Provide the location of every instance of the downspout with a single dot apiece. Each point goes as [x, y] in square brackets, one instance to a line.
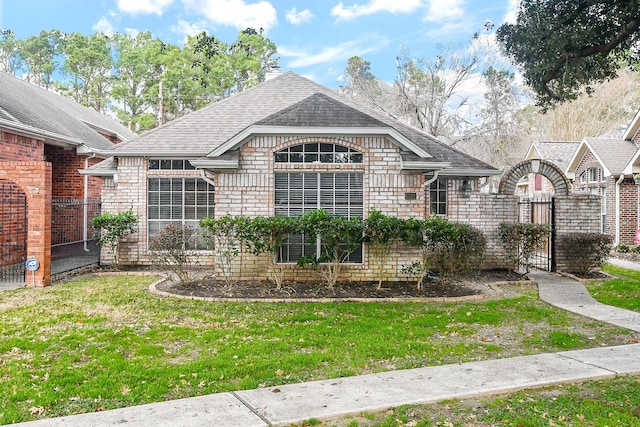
[206, 178]
[617, 238]
[85, 227]
[427, 183]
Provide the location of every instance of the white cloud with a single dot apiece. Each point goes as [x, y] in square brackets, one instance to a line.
[375, 6]
[339, 52]
[296, 18]
[186, 29]
[439, 10]
[235, 13]
[512, 12]
[104, 26]
[134, 7]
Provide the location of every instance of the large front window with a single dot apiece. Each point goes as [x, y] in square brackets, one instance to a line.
[339, 193]
[181, 202]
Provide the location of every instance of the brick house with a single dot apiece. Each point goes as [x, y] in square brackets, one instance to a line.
[284, 147]
[605, 167]
[45, 140]
[557, 152]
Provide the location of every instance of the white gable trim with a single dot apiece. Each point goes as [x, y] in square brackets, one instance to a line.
[255, 130]
[531, 152]
[577, 157]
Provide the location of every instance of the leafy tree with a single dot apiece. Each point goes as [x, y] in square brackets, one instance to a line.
[236, 67]
[89, 64]
[564, 46]
[225, 236]
[113, 228]
[40, 54]
[11, 59]
[339, 238]
[250, 57]
[266, 235]
[210, 59]
[138, 66]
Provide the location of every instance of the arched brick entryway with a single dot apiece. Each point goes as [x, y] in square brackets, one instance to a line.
[34, 179]
[548, 170]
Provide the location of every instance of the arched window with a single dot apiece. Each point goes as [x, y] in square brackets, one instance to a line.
[318, 152]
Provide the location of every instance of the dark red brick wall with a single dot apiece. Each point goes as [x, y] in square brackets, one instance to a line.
[67, 181]
[20, 148]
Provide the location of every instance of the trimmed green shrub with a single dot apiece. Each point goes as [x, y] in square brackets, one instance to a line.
[447, 246]
[112, 228]
[587, 251]
[521, 241]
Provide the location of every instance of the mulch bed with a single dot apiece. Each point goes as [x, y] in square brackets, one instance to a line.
[467, 286]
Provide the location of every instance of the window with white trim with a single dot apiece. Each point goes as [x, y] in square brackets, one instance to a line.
[338, 193]
[179, 201]
[438, 197]
[318, 152]
[589, 176]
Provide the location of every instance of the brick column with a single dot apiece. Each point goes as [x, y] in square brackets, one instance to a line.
[35, 180]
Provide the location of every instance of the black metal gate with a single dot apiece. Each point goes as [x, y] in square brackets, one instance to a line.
[73, 241]
[13, 233]
[541, 209]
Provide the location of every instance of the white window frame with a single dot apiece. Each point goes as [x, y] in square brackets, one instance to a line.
[337, 192]
[173, 200]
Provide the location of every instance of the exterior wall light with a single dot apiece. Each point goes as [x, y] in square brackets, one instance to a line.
[466, 188]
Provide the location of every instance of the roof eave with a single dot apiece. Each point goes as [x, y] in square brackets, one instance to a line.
[424, 166]
[50, 138]
[155, 154]
[469, 172]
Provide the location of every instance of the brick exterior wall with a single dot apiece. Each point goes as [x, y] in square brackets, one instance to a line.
[54, 173]
[34, 179]
[249, 192]
[628, 193]
[67, 182]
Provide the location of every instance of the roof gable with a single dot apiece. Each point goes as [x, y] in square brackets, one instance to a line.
[612, 154]
[318, 110]
[288, 103]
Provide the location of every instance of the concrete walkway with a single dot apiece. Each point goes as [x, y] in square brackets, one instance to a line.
[294, 403]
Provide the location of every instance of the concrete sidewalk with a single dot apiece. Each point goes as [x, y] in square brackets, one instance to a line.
[286, 404]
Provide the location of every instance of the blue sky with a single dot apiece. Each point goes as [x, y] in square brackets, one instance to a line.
[315, 38]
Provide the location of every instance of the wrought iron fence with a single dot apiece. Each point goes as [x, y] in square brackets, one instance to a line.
[73, 240]
[13, 233]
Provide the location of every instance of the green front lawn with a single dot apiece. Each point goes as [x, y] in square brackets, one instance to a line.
[105, 342]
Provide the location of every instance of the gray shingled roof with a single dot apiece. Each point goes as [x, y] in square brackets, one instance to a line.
[25, 105]
[615, 154]
[287, 99]
[319, 110]
[557, 152]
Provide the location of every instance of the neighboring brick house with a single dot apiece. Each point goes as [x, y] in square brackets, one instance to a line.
[45, 140]
[600, 166]
[557, 152]
[284, 147]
